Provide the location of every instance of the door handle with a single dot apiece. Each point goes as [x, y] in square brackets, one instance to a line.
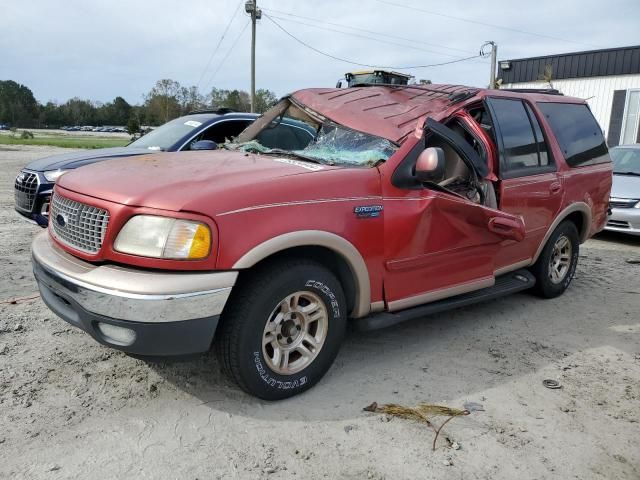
[506, 228]
[555, 187]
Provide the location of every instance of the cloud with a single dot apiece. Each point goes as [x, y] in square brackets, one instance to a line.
[100, 50]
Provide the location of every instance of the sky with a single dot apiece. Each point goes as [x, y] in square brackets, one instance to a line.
[100, 50]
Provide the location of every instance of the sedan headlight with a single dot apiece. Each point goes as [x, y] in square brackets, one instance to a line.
[164, 237]
[53, 175]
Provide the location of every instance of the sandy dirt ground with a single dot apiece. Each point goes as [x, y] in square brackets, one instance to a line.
[71, 408]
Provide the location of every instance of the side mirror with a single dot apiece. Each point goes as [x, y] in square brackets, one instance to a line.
[204, 145]
[430, 165]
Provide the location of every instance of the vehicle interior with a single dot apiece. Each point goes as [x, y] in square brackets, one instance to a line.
[221, 131]
[458, 177]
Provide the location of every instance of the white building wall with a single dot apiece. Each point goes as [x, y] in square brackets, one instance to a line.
[597, 91]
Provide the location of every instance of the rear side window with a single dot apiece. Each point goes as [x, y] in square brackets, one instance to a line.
[522, 145]
[578, 134]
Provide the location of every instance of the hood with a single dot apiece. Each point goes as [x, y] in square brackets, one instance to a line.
[78, 159]
[188, 181]
[625, 186]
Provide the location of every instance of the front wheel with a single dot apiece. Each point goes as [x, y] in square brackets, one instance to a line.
[282, 329]
[557, 263]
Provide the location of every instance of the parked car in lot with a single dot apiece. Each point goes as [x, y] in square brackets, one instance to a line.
[4, 127]
[625, 192]
[203, 130]
[410, 201]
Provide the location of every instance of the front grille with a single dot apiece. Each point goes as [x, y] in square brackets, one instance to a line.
[78, 225]
[618, 224]
[24, 191]
[623, 202]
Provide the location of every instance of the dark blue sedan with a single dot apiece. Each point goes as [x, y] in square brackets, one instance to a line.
[196, 131]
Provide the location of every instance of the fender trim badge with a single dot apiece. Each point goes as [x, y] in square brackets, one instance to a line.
[368, 211]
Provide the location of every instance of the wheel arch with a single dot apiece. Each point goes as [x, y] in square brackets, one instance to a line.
[332, 250]
[579, 213]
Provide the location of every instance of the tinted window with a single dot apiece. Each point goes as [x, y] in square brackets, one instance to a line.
[284, 136]
[540, 142]
[223, 131]
[578, 134]
[519, 145]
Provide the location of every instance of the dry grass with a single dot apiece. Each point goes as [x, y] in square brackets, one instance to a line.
[423, 413]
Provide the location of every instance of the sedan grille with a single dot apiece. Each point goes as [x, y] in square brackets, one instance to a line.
[618, 224]
[78, 225]
[24, 191]
[623, 202]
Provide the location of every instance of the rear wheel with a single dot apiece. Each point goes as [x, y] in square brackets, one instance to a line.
[557, 263]
[282, 328]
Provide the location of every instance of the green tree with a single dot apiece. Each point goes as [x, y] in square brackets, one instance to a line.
[18, 106]
[265, 99]
[162, 102]
[133, 125]
[190, 99]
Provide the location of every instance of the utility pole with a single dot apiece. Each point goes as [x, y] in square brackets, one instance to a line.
[494, 56]
[252, 9]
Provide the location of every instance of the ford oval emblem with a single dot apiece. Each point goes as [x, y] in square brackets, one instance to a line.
[60, 220]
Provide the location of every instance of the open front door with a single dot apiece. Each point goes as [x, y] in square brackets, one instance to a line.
[439, 243]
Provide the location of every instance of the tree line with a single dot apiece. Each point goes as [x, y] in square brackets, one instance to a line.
[165, 101]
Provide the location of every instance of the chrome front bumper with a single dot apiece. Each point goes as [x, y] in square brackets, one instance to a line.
[182, 307]
[625, 220]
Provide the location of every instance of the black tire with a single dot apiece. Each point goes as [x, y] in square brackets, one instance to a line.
[239, 340]
[545, 286]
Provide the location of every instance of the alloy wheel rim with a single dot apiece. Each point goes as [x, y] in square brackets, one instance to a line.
[295, 332]
[560, 260]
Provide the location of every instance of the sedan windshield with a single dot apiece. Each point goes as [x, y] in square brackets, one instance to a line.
[333, 144]
[165, 136]
[626, 160]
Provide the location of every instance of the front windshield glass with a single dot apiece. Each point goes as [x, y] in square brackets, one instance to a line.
[626, 160]
[333, 144]
[165, 136]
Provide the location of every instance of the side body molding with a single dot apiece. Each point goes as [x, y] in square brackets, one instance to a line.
[581, 207]
[318, 238]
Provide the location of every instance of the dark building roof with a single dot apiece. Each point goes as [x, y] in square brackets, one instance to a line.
[592, 63]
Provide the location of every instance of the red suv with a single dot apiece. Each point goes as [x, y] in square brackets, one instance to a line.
[410, 200]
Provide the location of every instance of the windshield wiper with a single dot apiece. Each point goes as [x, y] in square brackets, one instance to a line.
[627, 173]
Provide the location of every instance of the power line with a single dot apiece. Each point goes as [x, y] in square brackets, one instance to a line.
[478, 22]
[363, 64]
[215, 50]
[350, 27]
[386, 42]
[233, 45]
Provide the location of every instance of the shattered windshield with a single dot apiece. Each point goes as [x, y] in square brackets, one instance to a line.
[333, 144]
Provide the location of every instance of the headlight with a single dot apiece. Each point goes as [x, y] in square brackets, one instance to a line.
[53, 175]
[164, 237]
[637, 205]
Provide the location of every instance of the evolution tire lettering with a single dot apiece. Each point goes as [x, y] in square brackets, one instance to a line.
[327, 291]
[298, 382]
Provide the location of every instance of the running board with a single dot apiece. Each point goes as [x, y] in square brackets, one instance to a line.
[505, 284]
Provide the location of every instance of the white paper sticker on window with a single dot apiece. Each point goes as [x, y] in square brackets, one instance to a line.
[193, 123]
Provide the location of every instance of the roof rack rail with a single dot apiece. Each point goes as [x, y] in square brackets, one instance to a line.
[219, 111]
[547, 91]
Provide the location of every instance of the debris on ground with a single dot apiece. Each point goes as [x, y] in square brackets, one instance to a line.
[552, 384]
[422, 413]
